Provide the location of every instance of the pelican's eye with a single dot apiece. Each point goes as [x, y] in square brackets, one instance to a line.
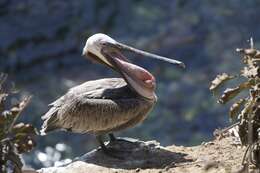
[104, 43]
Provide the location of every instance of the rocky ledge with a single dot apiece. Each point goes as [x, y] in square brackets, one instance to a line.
[219, 155]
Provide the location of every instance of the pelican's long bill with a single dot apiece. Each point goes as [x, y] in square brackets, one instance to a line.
[147, 54]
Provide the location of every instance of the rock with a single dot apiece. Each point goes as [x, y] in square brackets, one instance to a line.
[135, 155]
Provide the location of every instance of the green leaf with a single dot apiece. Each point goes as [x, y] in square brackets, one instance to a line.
[220, 80]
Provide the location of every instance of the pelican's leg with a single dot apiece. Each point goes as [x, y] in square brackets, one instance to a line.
[112, 137]
[108, 151]
[101, 143]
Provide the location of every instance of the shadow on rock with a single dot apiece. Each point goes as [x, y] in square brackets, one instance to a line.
[134, 154]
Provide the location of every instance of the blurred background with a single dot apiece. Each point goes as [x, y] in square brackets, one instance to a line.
[41, 44]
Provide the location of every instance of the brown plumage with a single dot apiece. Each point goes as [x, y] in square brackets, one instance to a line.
[97, 107]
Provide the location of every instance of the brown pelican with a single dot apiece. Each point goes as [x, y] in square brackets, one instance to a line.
[106, 105]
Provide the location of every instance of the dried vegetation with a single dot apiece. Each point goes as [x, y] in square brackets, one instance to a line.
[15, 138]
[245, 112]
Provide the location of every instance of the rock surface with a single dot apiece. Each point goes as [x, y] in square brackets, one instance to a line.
[219, 155]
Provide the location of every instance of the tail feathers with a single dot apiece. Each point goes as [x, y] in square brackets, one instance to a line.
[50, 123]
[52, 112]
[48, 129]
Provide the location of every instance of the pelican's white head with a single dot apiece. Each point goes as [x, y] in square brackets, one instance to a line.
[95, 43]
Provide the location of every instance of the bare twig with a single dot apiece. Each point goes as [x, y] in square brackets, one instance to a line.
[251, 43]
[20, 107]
[221, 132]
